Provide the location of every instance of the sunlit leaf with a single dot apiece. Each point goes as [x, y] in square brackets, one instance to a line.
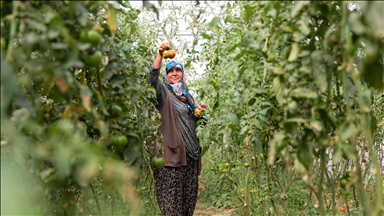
[149, 5]
[294, 52]
[298, 5]
[232, 117]
[214, 22]
[62, 161]
[303, 93]
[111, 19]
[346, 130]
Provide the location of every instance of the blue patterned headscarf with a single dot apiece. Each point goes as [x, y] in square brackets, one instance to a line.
[179, 89]
[173, 64]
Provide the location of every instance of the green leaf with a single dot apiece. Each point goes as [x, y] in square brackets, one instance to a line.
[20, 116]
[297, 7]
[258, 124]
[304, 156]
[35, 25]
[356, 25]
[117, 79]
[62, 161]
[372, 73]
[7, 82]
[317, 127]
[248, 12]
[111, 20]
[350, 151]
[294, 52]
[346, 130]
[264, 111]
[303, 93]
[374, 16]
[233, 119]
[278, 88]
[303, 27]
[149, 5]
[206, 36]
[272, 13]
[214, 22]
[277, 140]
[243, 130]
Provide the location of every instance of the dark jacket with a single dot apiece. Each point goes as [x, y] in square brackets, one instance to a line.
[174, 147]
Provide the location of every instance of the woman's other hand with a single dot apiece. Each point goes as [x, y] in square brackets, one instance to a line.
[202, 107]
[199, 109]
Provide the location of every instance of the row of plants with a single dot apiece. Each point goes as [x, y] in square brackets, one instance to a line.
[295, 101]
[76, 107]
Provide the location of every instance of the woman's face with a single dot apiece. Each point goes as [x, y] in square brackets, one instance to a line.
[174, 75]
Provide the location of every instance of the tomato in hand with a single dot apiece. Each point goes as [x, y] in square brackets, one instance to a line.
[172, 54]
[166, 54]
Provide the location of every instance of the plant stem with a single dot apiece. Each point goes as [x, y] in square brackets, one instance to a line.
[14, 23]
[97, 200]
[246, 204]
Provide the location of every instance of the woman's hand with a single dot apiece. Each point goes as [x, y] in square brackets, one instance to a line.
[164, 46]
[203, 107]
[200, 108]
[159, 58]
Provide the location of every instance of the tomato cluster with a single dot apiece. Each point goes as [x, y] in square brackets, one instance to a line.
[93, 38]
[169, 54]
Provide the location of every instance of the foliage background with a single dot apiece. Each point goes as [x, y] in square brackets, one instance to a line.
[294, 90]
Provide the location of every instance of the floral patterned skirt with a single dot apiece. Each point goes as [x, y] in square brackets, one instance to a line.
[177, 188]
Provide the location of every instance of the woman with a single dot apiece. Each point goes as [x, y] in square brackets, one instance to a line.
[177, 182]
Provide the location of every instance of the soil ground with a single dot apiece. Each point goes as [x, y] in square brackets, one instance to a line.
[204, 210]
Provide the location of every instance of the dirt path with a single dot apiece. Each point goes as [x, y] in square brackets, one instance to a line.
[204, 210]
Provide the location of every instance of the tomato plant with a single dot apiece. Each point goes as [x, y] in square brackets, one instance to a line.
[288, 81]
[66, 64]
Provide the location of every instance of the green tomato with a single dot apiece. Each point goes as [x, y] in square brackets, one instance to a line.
[3, 43]
[116, 110]
[343, 182]
[158, 162]
[83, 36]
[261, 156]
[62, 128]
[94, 59]
[93, 37]
[119, 141]
[246, 165]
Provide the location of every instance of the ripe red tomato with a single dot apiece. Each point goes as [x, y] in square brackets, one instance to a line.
[172, 54]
